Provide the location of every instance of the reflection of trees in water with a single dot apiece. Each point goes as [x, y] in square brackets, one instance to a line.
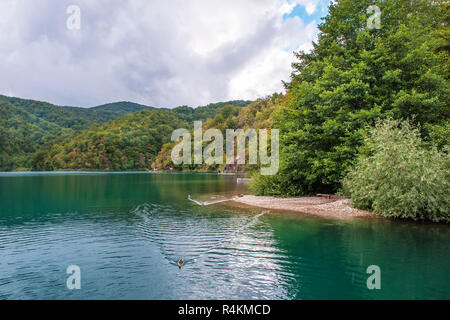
[59, 193]
[201, 186]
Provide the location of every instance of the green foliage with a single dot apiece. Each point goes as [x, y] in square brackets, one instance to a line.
[128, 143]
[353, 77]
[255, 115]
[114, 110]
[264, 185]
[439, 134]
[72, 117]
[29, 129]
[27, 126]
[206, 112]
[397, 176]
[21, 134]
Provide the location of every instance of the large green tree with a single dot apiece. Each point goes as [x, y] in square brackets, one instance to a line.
[353, 76]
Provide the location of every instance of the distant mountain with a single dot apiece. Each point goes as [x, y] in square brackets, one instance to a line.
[121, 108]
[257, 115]
[74, 117]
[67, 117]
[22, 133]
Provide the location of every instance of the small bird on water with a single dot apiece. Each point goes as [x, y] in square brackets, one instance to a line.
[180, 263]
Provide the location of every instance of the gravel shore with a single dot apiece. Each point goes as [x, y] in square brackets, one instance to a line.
[333, 207]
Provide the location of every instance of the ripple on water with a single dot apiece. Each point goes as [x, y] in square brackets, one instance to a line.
[230, 249]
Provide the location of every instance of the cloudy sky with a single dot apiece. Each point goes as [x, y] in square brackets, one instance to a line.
[160, 53]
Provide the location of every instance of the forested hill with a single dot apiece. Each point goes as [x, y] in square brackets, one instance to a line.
[259, 114]
[73, 117]
[120, 108]
[131, 142]
[128, 143]
[206, 112]
[27, 126]
[22, 133]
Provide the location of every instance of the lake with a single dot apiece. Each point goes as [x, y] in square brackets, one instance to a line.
[126, 232]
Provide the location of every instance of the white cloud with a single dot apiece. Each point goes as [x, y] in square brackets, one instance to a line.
[154, 52]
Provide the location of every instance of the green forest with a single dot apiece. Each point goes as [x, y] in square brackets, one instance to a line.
[365, 114]
[354, 77]
[37, 135]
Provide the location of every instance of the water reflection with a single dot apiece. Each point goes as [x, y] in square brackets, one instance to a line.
[127, 231]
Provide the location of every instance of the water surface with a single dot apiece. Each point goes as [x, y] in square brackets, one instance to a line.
[127, 230]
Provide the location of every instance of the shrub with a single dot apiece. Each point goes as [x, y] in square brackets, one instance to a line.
[268, 185]
[397, 176]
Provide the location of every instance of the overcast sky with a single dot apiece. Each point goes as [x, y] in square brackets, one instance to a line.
[159, 53]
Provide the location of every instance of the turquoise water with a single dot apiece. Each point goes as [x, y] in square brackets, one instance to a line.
[126, 231]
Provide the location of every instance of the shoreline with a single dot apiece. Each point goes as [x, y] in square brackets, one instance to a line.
[332, 208]
[325, 206]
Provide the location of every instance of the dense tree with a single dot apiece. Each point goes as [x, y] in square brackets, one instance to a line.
[21, 134]
[28, 125]
[353, 77]
[206, 112]
[29, 128]
[128, 143]
[73, 117]
[257, 115]
[398, 176]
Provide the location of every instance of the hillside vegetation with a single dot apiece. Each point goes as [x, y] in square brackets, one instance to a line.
[206, 112]
[257, 115]
[128, 143]
[398, 176]
[73, 117]
[32, 131]
[131, 142]
[26, 126]
[353, 77]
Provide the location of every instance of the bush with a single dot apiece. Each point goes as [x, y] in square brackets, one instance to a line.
[267, 185]
[397, 176]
